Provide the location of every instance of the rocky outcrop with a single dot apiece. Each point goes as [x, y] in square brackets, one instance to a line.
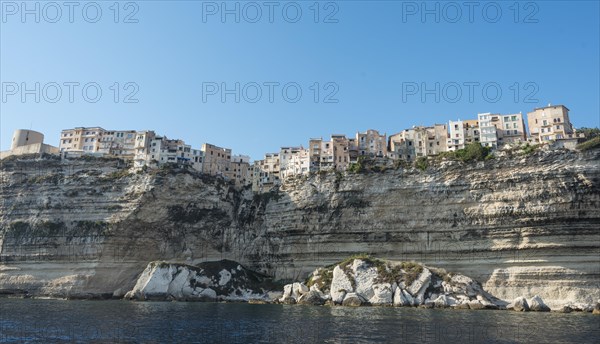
[369, 281]
[523, 225]
[211, 281]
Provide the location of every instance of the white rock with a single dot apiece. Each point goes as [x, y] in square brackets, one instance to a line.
[519, 304]
[181, 279]
[400, 298]
[536, 304]
[340, 285]
[208, 293]
[225, 277]
[365, 277]
[298, 289]
[287, 292]
[409, 298]
[420, 285]
[382, 294]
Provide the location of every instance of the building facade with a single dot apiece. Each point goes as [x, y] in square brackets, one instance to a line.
[550, 123]
[217, 160]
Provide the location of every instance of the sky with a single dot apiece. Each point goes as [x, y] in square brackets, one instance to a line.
[255, 76]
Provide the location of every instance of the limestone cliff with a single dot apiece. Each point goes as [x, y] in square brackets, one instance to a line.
[521, 225]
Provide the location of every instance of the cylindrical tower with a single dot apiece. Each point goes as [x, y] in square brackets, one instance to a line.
[24, 137]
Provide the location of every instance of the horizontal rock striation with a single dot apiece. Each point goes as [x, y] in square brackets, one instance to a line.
[521, 225]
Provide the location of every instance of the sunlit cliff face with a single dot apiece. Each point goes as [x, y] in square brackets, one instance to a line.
[516, 224]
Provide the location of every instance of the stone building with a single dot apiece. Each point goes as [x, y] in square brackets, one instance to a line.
[239, 170]
[217, 160]
[418, 141]
[550, 123]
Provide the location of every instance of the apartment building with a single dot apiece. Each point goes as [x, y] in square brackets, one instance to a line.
[293, 161]
[239, 170]
[118, 143]
[511, 128]
[418, 141]
[83, 140]
[461, 133]
[550, 123]
[217, 160]
[266, 173]
[330, 155]
[142, 145]
[488, 130]
[371, 143]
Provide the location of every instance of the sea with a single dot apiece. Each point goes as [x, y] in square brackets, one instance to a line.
[119, 321]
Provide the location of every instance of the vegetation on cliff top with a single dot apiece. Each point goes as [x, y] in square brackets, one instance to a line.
[589, 144]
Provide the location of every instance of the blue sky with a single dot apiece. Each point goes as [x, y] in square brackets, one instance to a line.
[367, 55]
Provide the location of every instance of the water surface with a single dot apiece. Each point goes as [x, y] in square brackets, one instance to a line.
[59, 321]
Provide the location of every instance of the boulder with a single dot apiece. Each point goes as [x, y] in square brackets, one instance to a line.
[462, 305]
[298, 289]
[365, 277]
[288, 300]
[400, 298]
[536, 304]
[352, 300]
[419, 286]
[382, 294]
[409, 298]
[311, 298]
[444, 301]
[519, 304]
[287, 292]
[596, 309]
[340, 285]
[564, 309]
[476, 305]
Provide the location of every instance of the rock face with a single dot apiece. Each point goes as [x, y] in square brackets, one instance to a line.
[211, 281]
[522, 225]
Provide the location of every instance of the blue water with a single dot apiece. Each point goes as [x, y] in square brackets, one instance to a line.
[59, 321]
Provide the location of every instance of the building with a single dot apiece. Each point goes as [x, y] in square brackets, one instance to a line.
[461, 133]
[172, 151]
[497, 129]
[488, 130]
[371, 143]
[81, 140]
[550, 123]
[266, 173]
[418, 141]
[217, 160]
[239, 170]
[142, 145]
[117, 143]
[293, 161]
[320, 154]
[28, 142]
[511, 128]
